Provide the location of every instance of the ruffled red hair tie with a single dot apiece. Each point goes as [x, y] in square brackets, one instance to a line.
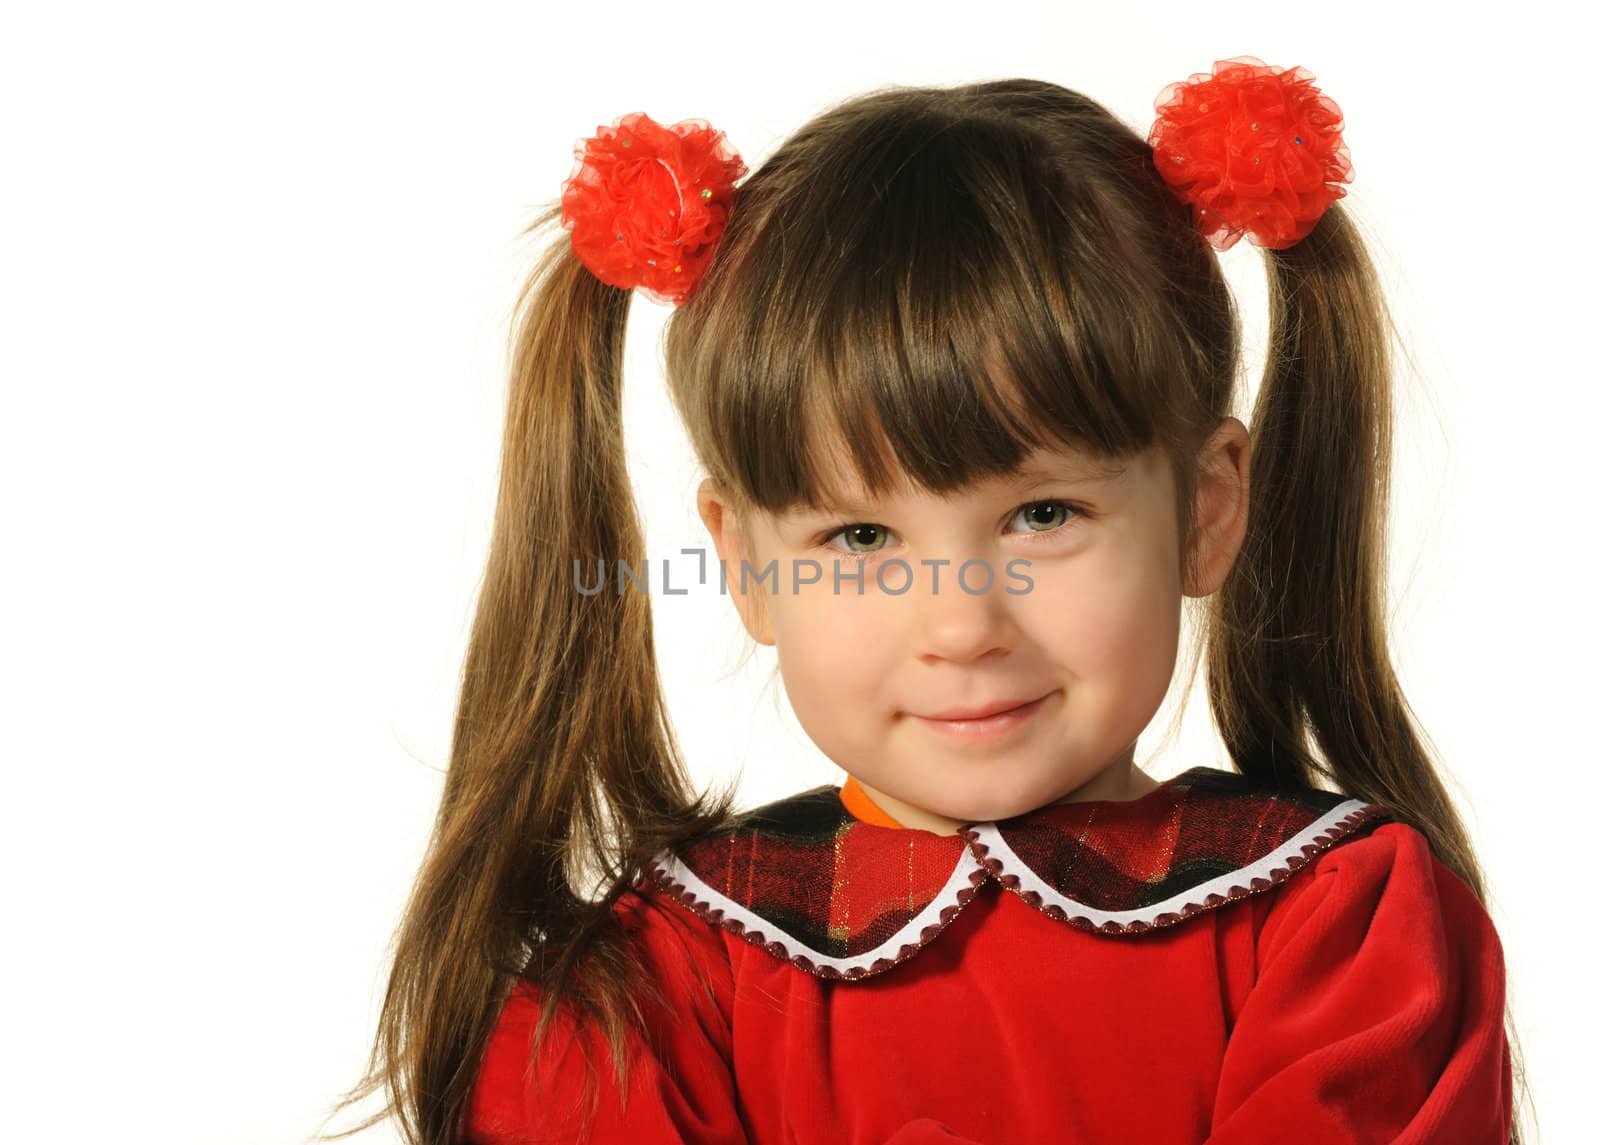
[1255, 149]
[647, 204]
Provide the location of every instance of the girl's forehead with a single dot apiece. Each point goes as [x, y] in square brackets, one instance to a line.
[845, 489]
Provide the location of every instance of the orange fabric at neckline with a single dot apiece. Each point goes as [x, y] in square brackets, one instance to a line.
[862, 807]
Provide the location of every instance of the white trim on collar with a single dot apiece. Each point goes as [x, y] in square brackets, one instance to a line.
[964, 881]
[986, 855]
[1273, 867]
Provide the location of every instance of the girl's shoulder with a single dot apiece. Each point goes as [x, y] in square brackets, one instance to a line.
[845, 899]
[679, 1078]
[1390, 873]
[1378, 999]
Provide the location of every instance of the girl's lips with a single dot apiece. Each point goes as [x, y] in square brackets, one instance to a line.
[994, 725]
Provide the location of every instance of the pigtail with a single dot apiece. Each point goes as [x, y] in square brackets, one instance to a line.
[564, 772]
[1298, 649]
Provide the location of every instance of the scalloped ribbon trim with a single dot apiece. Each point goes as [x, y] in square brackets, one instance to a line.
[675, 877]
[998, 859]
[986, 857]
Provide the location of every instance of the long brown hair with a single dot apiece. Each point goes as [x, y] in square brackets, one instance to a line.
[929, 283]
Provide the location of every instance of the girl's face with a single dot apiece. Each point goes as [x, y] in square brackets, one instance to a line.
[1080, 619]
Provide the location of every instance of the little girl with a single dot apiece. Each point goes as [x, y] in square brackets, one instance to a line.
[960, 365]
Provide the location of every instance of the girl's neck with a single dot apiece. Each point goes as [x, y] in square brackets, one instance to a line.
[1116, 784]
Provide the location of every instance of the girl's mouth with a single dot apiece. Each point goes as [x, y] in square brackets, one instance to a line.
[992, 725]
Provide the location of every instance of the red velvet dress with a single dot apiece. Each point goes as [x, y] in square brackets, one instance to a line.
[1213, 962]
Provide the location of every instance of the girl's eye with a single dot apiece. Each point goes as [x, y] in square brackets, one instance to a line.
[873, 536]
[1052, 513]
[1039, 517]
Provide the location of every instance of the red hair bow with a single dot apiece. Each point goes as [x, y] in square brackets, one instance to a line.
[646, 204]
[1254, 148]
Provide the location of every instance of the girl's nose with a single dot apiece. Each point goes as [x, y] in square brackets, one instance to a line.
[966, 615]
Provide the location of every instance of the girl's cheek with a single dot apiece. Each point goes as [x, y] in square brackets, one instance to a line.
[1100, 602]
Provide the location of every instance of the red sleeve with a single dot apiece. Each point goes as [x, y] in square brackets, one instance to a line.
[1377, 1009]
[927, 1131]
[680, 1088]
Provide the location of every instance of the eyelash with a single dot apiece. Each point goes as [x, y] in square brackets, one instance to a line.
[1079, 514]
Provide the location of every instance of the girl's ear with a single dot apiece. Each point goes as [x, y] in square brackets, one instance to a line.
[1222, 506]
[733, 550]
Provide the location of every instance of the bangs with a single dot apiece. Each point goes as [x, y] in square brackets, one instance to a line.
[951, 301]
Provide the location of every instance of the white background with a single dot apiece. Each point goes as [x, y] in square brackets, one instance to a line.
[256, 269]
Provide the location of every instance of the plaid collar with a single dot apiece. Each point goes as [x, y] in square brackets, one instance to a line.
[841, 898]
